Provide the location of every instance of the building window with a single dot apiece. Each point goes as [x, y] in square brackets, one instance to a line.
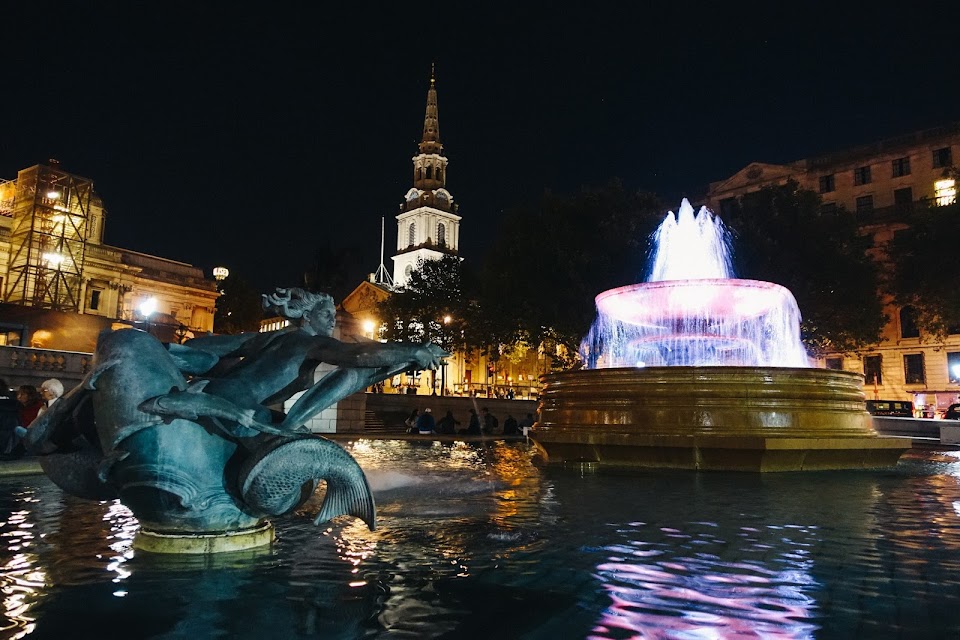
[864, 204]
[441, 235]
[419, 173]
[829, 208]
[903, 199]
[953, 367]
[913, 368]
[901, 167]
[429, 173]
[908, 323]
[835, 364]
[861, 175]
[945, 191]
[872, 370]
[95, 300]
[942, 158]
[827, 184]
[439, 174]
[412, 234]
[407, 271]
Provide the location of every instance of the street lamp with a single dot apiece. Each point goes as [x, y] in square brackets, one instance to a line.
[443, 366]
[147, 307]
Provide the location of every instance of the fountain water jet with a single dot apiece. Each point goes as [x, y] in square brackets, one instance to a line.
[695, 368]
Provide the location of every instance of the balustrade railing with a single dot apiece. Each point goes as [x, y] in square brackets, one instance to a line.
[27, 365]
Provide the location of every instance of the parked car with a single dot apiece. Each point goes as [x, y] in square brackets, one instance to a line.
[953, 412]
[899, 408]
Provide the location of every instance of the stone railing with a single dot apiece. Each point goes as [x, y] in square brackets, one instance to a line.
[25, 365]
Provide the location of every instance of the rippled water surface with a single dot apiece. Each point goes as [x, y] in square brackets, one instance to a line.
[474, 541]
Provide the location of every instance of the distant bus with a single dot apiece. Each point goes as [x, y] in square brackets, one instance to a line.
[890, 408]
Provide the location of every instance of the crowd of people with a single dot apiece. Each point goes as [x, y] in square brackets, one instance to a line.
[19, 408]
[482, 423]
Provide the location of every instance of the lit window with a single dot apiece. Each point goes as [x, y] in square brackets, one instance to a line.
[953, 367]
[945, 191]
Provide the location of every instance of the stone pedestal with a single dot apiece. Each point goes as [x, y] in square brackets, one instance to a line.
[204, 543]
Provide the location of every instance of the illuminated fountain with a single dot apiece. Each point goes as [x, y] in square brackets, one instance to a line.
[696, 369]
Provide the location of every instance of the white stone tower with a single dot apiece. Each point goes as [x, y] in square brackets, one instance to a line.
[428, 226]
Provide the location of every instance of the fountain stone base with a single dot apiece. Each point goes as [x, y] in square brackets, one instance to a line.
[204, 543]
[711, 418]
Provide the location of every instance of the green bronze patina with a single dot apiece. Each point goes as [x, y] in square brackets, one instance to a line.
[184, 434]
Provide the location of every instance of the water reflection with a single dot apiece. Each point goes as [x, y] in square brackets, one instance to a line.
[475, 541]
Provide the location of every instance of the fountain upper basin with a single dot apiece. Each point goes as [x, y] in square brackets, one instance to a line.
[649, 303]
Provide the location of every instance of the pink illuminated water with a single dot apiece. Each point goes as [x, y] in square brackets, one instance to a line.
[692, 311]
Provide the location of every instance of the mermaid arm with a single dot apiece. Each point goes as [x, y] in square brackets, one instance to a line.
[377, 354]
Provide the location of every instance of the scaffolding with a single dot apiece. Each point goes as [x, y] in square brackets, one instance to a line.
[47, 239]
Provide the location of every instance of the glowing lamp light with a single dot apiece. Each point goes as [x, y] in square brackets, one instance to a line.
[220, 273]
[53, 258]
[447, 319]
[368, 326]
[53, 195]
[147, 307]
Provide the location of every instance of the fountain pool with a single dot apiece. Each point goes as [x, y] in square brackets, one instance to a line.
[475, 541]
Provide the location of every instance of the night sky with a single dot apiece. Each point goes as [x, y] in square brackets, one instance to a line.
[254, 137]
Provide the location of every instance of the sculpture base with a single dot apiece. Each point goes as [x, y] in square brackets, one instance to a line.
[711, 418]
[203, 543]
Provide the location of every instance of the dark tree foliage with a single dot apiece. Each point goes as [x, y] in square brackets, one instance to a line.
[435, 306]
[782, 236]
[239, 309]
[551, 259]
[926, 269]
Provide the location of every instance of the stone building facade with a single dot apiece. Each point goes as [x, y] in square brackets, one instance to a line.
[881, 184]
[61, 285]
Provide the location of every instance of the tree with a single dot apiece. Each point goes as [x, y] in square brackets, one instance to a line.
[239, 309]
[925, 268]
[783, 236]
[432, 307]
[552, 258]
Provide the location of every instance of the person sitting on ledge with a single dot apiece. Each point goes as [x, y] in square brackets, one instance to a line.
[425, 423]
[447, 424]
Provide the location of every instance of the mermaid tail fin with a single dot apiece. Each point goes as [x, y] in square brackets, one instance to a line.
[282, 474]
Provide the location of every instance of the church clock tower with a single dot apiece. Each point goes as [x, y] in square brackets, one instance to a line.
[428, 226]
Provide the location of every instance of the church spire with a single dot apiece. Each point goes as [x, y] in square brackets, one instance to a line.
[431, 121]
